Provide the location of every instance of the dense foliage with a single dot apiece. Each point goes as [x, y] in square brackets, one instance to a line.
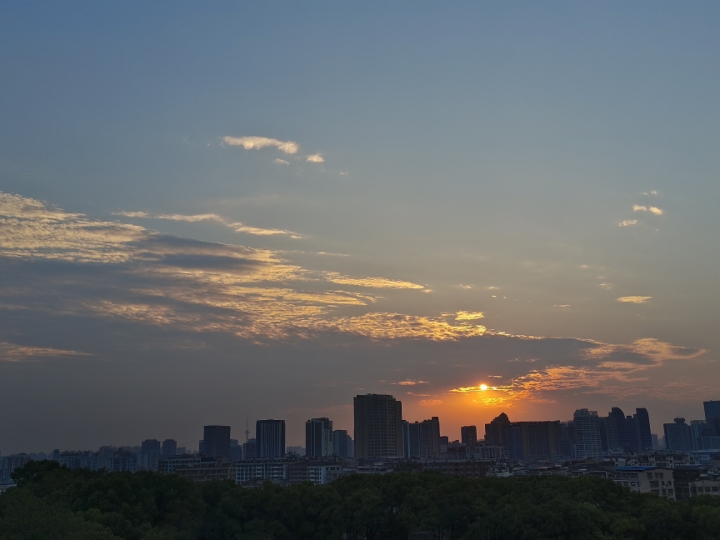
[51, 503]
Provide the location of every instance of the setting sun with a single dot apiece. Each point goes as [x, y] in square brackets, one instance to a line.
[483, 387]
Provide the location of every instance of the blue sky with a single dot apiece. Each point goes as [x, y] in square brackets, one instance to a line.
[551, 166]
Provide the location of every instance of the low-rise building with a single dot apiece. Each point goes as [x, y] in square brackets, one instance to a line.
[705, 487]
[207, 473]
[646, 480]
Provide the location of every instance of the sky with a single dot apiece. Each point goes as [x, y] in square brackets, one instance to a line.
[218, 212]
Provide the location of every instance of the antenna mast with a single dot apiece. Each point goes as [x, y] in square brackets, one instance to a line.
[247, 429]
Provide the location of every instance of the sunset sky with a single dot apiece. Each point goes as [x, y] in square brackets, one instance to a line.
[220, 211]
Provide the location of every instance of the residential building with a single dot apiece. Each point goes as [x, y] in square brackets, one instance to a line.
[712, 415]
[422, 439]
[468, 435]
[587, 434]
[646, 480]
[270, 437]
[318, 437]
[207, 473]
[151, 446]
[216, 442]
[250, 450]
[342, 444]
[169, 447]
[678, 436]
[495, 430]
[378, 426]
[248, 471]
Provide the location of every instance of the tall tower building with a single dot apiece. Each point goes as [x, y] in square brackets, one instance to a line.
[378, 426]
[216, 441]
[422, 439]
[342, 444]
[587, 434]
[468, 435]
[318, 437]
[642, 424]
[678, 436]
[270, 439]
[712, 416]
[169, 447]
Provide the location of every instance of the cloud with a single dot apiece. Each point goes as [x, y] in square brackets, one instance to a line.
[256, 143]
[281, 161]
[315, 158]
[370, 282]
[197, 218]
[561, 305]
[469, 315]
[343, 173]
[430, 402]
[634, 299]
[410, 383]
[606, 286]
[628, 222]
[466, 286]
[652, 209]
[10, 352]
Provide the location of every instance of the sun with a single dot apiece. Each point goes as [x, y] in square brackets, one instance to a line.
[483, 387]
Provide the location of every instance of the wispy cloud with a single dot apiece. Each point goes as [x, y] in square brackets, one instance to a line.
[628, 222]
[256, 143]
[197, 218]
[652, 209]
[410, 382]
[634, 299]
[315, 158]
[10, 352]
[562, 306]
[281, 161]
[606, 286]
[469, 315]
[371, 282]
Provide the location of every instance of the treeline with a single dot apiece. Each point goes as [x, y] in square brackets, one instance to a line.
[51, 503]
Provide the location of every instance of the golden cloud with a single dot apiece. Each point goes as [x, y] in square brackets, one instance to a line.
[634, 299]
[374, 283]
[469, 315]
[256, 143]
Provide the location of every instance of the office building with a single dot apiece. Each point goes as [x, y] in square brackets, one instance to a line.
[169, 447]
[150, 446]
[587, 434]
[422, 439]
[270, 439]
[318, 437]
[378, 426]
[468, 435]
[342, 444]
[216, 442]
[678, 436]
[712, 416]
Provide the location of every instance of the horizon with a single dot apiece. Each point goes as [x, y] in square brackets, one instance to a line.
[217, 212]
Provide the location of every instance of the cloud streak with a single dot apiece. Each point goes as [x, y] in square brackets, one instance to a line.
[256, 143]
[634, 299]
[652, 209]
[198, 218]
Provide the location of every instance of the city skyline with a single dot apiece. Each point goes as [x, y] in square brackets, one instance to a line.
[210, 213]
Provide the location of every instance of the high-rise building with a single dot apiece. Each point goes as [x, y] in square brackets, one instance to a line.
[678, 436]
[567, 439]
[616, 430]
[342, 444]
[538, 440]
[421, 439]
[270, 437]
[169, 447]
[249, 449]
[318, 437]
[216, 441]
[378, 426]
[495, 430]
[642, 423]
[712, 416]
[587, 434]
[150, 446]
[468, 435]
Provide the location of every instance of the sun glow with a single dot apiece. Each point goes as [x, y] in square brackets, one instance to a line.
[483, 387]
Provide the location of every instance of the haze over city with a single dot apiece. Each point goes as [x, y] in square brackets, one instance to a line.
[218, 212]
